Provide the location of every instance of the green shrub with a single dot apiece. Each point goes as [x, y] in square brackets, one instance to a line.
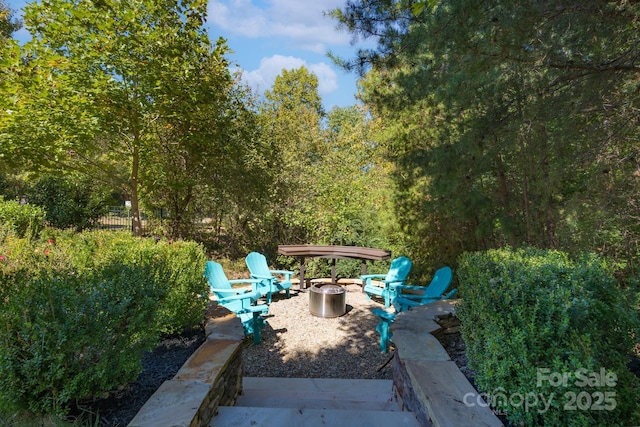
[23, 220]
[186, 300]
[70, 204]
[79, 310]
[66, 337]
[178, 265]
[536, 322]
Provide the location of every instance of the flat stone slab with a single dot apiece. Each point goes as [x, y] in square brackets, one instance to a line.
[318, 393]
[419, 346]
[412, 332]
[450, 400]
[174, 404]
[425, 326]
[419, 315]
[207, 361]
[225, 328]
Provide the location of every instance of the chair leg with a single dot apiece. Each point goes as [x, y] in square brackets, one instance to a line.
[383, 329]
[257, 320]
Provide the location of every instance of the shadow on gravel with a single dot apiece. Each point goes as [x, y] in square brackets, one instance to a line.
[339, 347]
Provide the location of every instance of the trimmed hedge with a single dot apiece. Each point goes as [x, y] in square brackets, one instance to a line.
[67, 338]
[80, 310]
[541, 329]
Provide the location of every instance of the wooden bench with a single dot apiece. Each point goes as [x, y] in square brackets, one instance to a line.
[334, 252]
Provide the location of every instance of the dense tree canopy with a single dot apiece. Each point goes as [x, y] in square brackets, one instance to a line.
[134, 95]
[131, 92]
[318, 171]
[291, 116]
[509, 123]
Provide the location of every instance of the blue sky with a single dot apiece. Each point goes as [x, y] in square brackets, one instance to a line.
[267, 36]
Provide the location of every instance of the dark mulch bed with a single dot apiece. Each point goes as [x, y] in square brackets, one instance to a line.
[158, 365]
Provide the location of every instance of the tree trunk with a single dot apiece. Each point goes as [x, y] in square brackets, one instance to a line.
[136, 224]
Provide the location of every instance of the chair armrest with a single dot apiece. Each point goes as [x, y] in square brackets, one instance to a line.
[372, 276]
[251, 296]
[260, 278]
[281, 272]
[238, 281]
[391, 282]
[286, 273]
[388, 284]
[228, 291]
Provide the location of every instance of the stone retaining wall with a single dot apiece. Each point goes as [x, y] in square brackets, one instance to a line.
[211, 377]
[427, 382]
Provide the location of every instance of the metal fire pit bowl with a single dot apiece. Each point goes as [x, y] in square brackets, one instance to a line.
[326, 300]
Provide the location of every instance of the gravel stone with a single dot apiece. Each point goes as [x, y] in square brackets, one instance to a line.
[297, 344]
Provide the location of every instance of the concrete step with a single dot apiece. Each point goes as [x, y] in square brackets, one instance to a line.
[232, 416]
[318, 393]
[311, 402]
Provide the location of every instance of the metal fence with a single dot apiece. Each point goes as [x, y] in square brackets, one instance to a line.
[119, 218]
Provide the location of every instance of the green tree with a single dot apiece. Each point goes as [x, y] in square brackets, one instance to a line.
[513, 123]
[70, 202]
[7, 24]
[353, 196]
[329, 182]
[203, 158]
[105, 87]
[290, 118]
[9, 54]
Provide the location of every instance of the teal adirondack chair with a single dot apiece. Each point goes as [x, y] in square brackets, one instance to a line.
[242, 302]
[386, 288]
[413, 296]
[424, 295]
[268, 284]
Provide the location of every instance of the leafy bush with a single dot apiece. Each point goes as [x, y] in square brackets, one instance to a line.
[69, 203]
[179, 265]
[23, 220]
[187, 299]
[66, 337]
[80, 310]
[536, 322]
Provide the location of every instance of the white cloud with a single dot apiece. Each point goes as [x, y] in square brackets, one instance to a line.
[265, 75]
[300, 22]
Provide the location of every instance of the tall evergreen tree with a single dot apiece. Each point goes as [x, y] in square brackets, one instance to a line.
[517, 122]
